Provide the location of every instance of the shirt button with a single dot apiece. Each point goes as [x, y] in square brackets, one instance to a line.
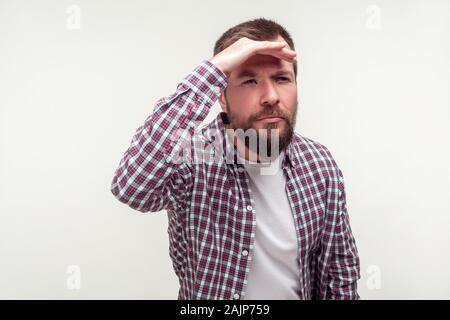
[217, 89]
[236, 296]
[244, 253]
[249, 208]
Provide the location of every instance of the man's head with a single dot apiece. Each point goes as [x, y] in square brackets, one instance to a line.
[262, 86]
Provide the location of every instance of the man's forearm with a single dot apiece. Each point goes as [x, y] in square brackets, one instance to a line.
[142, 178]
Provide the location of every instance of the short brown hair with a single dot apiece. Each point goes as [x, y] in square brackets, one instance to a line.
[260, 29]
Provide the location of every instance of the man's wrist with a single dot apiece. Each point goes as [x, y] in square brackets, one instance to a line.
[218, 65]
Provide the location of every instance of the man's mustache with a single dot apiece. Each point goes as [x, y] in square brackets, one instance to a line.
[278, 114]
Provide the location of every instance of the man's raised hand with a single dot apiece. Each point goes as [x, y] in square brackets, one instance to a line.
[231, 57]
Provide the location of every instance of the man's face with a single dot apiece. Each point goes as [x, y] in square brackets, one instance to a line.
[262, 86]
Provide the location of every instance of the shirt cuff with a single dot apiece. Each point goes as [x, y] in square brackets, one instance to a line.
[207, 81]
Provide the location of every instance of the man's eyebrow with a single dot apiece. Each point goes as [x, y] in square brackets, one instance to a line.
[283, 73]
[245, 74]
[249, 73]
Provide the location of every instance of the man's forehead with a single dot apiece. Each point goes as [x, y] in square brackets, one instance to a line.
[263, 59]
[260, 63]
[252, 72]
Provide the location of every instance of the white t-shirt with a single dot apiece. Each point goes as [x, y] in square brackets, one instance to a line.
[274, 265]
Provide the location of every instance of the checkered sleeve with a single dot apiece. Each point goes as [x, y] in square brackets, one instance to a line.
[148, 177]
[344, 270]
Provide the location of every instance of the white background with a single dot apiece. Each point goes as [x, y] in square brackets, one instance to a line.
[374, 80]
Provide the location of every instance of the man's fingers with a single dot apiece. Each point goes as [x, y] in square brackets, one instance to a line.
[291, 54]
[234, 55]
[288, 57]
[266, 46]
[260, 46]
[273, 44]
[279, 51]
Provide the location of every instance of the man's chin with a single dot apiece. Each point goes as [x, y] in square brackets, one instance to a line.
[268, 130]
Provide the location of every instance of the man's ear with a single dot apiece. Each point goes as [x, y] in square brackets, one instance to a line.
[223, 102]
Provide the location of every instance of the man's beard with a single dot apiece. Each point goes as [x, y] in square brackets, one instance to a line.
[270, 140]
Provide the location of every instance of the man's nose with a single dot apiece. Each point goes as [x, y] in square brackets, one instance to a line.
[270, 95]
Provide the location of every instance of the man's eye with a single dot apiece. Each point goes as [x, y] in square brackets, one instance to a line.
[249, 81]
[284, 79]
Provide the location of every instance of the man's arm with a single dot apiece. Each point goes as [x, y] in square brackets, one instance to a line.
[344, 270]
[146, 179]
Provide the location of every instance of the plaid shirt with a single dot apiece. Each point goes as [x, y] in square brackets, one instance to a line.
[209, 204]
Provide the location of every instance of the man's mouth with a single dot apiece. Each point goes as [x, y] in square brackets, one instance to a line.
[269, 119]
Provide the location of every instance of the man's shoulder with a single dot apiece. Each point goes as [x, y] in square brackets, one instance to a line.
[312, 153]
